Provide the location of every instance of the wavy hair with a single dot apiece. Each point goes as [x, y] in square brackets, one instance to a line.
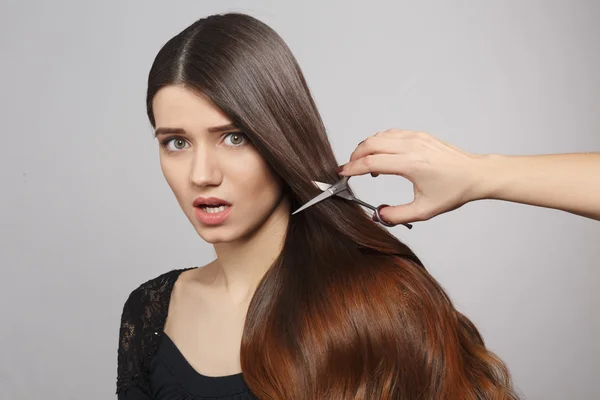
[346, 311]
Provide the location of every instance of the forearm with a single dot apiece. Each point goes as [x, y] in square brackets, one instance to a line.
[569, 182]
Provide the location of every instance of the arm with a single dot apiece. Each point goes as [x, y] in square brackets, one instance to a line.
[568, 182]
[446, 177]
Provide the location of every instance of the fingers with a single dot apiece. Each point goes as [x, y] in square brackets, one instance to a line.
[387, 142]
[382, 142]
[376, 145]
[409, 144]
[403, 214]
[375, 164]
[392, 141]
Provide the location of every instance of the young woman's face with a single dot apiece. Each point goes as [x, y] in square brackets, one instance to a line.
[224, 186]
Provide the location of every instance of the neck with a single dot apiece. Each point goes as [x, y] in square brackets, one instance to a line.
[243, 263]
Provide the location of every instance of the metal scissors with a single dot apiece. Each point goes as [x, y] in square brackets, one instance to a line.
[341, 189]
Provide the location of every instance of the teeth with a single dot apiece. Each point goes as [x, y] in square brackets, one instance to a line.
[213, 209]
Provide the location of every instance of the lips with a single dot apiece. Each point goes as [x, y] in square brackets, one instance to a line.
[216, 215]
[210, 201]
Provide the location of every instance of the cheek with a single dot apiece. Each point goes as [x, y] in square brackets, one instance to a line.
[174, 175]
[257, 182]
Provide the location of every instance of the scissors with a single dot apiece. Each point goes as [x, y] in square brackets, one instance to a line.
[341, 189]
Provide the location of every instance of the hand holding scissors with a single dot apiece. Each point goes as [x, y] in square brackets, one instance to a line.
[444, 177]
[340, 189]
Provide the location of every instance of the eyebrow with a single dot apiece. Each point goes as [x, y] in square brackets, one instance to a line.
[181, 131]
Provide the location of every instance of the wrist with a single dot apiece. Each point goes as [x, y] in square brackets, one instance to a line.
[487, 181]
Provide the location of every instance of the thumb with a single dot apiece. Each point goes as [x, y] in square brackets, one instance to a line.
[402, 214]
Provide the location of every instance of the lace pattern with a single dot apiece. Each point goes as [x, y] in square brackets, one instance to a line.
[143, 318]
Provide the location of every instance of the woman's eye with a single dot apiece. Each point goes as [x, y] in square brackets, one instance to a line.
[235, 138]
[175, 144]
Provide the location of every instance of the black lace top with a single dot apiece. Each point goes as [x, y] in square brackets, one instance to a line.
[149, 364]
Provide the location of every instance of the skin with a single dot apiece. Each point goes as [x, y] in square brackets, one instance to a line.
[209, 304]
[446, 177]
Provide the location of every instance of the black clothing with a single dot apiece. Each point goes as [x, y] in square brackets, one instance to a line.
[150, 366]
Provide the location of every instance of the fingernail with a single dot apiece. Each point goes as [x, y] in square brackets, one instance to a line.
[374, 175]
[340, 168]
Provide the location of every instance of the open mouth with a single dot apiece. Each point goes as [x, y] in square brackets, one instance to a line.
[214, 209]
[211, 210]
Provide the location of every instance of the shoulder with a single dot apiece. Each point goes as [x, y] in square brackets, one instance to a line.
[144, 313]
[152, 290]
[147, 305]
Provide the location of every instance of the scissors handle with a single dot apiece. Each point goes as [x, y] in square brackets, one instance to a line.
[376, 216]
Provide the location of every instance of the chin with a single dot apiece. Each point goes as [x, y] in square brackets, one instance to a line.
[215, 237]
[218, 234]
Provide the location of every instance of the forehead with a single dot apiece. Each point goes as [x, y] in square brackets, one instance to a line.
[177, 106]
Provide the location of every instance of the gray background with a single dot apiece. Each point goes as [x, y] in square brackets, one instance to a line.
[86, 215]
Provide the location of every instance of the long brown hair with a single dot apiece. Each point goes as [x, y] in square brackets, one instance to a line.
[346, 311]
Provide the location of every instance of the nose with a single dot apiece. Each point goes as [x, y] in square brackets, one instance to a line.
[205, 168]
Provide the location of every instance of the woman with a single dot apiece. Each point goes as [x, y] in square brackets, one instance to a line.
[325, 304]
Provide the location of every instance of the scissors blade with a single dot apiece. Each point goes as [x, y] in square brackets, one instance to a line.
[337, 189]
[342, 193]
[327, 193]
[322, 186]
